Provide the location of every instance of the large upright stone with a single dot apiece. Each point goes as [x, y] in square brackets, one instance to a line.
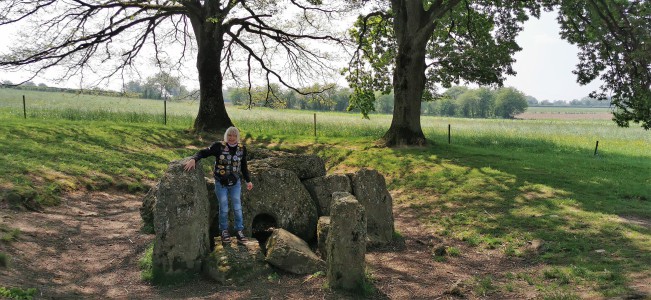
[278, 193]
[346, 245]
[321, 189]
[370, 189]
[180, 216]
[305, 166]
[147, 209]
[322, 228]
[289, 253]
[213, 218]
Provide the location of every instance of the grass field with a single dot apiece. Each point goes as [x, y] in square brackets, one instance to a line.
[496, 185]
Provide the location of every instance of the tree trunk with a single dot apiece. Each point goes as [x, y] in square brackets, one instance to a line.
[408, 77]
[212, 115]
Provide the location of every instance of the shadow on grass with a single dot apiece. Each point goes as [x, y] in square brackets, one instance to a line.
[578, 204]
[71, 154]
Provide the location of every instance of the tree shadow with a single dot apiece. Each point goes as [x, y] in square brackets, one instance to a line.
[572, 201]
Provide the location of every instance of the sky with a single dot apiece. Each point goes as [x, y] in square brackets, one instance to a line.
[545, 63]
[544, 66]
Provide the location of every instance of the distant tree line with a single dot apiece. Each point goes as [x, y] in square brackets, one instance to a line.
[457, 101]
[461, 101]
[334, 98]
[42, 87]
[583, 102]
[161, 86]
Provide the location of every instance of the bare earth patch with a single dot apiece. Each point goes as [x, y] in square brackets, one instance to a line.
[89, 247]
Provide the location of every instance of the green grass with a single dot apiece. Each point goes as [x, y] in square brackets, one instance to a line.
[560, 295]
[43, 158]
[35, 101]
[149, 272]
[8, 235]
[146, 265]
[497, 185]
[483, 286]
[441, 253]
[18, 293]
[366, 288]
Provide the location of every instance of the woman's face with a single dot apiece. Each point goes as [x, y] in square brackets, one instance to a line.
[232, 138]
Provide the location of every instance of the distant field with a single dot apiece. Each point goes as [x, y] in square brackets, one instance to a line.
[568, 109]
[13, 99]
[566, 113]
[564, 116]
[563, 126]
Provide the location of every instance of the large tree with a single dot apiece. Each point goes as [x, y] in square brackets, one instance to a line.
[614, 39]
[411, 46]
[509, 102]
[229, 38]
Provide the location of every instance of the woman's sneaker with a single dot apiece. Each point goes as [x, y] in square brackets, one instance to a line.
[225, 236]
[240, 236]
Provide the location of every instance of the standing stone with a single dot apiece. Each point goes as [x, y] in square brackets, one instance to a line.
[346, 245]
[289, 253]
[213, 218]
[340, 195]
[305, 166]
[321, 189]
[181, 213]
[322, 228]
[279, 194]
[370, 189]
[147, 209]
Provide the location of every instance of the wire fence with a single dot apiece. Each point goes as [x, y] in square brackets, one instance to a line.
[479, 132]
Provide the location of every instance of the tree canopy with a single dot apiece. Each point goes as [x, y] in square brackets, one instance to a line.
[411, 47]
[509, 102]
[614, 39]
[408, 46]
[246, 41]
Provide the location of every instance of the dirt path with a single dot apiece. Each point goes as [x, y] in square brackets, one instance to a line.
[89, 247]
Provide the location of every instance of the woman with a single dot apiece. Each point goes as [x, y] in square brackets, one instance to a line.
[230, 168]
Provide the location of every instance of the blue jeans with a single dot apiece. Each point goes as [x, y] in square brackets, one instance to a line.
[223, 194]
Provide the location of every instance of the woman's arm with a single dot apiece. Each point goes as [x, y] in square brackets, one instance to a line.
[203, 153]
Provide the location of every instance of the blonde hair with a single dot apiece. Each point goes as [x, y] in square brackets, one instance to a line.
[230, 130]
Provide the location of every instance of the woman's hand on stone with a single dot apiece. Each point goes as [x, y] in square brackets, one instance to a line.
[249, 186]
[189, 166]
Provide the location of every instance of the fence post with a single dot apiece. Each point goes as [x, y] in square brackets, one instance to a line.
[165, 112]
[24, 108]
[315, 124]
[595, 148]
[449, 131]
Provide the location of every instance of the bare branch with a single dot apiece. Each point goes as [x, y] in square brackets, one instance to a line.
[84, 39]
